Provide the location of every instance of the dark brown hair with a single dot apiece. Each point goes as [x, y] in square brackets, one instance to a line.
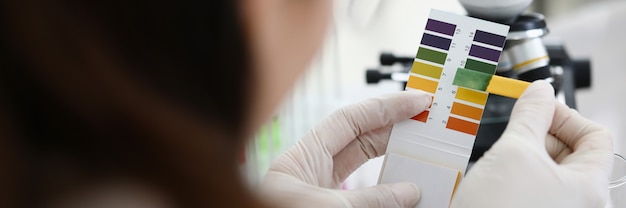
[147, 90]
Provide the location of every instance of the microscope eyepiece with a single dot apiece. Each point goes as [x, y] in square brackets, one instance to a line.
[527, 22]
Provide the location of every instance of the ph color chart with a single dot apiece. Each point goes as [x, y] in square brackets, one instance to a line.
[433, 148]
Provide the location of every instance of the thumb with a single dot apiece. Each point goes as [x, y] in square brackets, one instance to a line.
[532, 114]
[384, 195]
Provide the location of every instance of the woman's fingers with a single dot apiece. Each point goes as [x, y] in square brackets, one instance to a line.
[532, 114]
[345, 125]
[367, 146]
[365, 129]
[348, 138]
[591, 144]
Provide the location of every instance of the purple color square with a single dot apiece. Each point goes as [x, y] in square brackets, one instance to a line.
[440, 27]
[484, 53]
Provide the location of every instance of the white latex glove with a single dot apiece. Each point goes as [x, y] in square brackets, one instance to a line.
[548, 156]
[311, 172]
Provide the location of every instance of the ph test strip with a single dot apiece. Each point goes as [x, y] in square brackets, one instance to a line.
[498, 85]
[442, 137]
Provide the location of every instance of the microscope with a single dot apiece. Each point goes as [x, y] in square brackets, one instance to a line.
[526, 57]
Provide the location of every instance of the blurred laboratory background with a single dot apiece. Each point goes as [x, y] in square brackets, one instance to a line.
[363, 29]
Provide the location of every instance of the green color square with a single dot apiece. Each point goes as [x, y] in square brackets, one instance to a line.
[431, 55]
[480, 66]
[471, 79]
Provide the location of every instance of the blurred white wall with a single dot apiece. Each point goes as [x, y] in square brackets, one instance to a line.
[564, 7]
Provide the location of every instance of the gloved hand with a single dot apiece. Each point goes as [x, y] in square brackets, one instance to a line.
[548, 156]
[310, 173]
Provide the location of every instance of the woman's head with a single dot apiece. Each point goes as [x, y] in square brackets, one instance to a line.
[161, 94]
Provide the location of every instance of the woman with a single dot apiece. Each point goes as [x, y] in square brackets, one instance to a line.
[142, 103]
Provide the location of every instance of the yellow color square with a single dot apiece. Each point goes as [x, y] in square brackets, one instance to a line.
[422, 84]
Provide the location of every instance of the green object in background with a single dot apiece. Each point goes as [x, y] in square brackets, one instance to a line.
[276, 133]
[267, 146]
[471, 79]
[269, 137]
[263, 140]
